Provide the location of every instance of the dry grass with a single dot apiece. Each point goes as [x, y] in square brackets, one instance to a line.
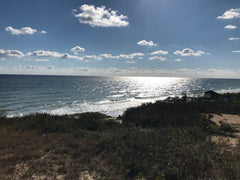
[28, 155]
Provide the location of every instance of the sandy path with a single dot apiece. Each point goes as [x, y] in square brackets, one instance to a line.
[233, 120]
[230, 119]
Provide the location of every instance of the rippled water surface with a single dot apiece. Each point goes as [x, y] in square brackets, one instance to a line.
[21, 95]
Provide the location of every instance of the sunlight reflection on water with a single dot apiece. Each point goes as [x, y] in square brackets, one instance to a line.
[110, 95]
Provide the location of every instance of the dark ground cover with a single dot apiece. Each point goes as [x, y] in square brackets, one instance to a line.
[155, 141]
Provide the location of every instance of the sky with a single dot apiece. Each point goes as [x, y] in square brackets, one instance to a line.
[187, 38]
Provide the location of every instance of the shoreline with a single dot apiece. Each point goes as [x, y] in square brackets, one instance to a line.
[167, 99]
[59, 96]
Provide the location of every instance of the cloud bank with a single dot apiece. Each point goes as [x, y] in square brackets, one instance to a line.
[43, 53]
[133, 71]
[53, 54]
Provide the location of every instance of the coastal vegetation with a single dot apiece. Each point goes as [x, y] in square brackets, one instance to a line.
[162, 140]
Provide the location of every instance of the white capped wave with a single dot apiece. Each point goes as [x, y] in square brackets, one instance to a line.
[15, 115]
[222, 91]
[108, 107]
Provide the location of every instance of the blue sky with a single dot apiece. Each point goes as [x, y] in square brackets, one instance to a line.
[187, 38]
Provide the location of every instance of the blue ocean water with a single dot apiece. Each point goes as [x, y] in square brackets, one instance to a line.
[25, 94]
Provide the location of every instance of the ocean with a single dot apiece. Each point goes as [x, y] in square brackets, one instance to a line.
[25, 94]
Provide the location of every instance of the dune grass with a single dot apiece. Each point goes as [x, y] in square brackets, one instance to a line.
[155, 141]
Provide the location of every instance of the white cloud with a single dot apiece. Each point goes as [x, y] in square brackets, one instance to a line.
[100, 16]
[23, 30]
[130, 62]
[43, 32]
[230, 14]
[43, 53]
[233, 39]
[110, 56]
[107, 56]
[10, 53]
[146, 43]
[160, 52]
[68, 56]
[238, 51]
[52, 54]
[189, 52]
[91, 57]
[41, 60]
[128, 56]
[77, 49]
[230, 27]
[158, 58]
[178, 60]
[87, 57]
[123, 56]
[133, 55]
